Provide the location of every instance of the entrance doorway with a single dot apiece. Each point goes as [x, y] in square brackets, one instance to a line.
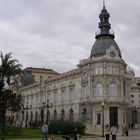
[113, 116]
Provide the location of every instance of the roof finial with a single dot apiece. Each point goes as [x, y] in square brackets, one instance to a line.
[103, 4]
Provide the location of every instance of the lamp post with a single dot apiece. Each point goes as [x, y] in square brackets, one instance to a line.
[103, 104]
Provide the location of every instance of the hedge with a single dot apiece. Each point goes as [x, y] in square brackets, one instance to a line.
[65, 127]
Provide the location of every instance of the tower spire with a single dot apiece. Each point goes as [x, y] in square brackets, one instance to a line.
[103, 4]
[104, 24]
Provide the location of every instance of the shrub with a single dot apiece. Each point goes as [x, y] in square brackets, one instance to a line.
[65, 127]
[35, 124]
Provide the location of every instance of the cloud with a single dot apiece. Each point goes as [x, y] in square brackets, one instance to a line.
[58, 33]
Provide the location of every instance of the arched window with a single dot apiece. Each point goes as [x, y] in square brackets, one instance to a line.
[55, 115]
[36, 116]
[99, 89]
[31, 119]
[85, 91]
[42, 116]
[62, 114]
[22, 115]
[26, 122]
[48, 116]
[112, 90]
[84, 115]
[71, 115]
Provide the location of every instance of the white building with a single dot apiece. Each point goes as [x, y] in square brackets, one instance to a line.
[101, 83]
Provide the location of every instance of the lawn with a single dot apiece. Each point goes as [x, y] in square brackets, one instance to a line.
[27, 133]
[36, 133]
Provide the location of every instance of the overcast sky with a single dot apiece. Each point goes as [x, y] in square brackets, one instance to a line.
[57, 34]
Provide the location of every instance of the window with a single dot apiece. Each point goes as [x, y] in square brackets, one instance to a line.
[71, 115]
[98, 70]
[99, 89]
[112, 90]
[31, 115]
[62, 114]
[85, 91]
[36, 116]
[138, 84]
[98, 118]
[55, 98]
[109, 69]
[41, 78]
[132, 96]
[22, 115]
[84, 115]
[132, 101]
[62, 96]
[71, 94]
[55, 115]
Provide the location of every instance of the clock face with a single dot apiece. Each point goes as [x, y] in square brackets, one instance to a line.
[112, 54]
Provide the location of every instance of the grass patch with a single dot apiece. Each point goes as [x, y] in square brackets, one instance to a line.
[27, 133]
[36, 133]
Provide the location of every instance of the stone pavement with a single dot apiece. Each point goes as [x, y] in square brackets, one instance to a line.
[133, 135]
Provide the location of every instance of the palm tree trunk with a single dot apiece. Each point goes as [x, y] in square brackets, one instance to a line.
[3, 122]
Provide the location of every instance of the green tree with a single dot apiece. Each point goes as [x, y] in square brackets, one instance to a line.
[9, 69]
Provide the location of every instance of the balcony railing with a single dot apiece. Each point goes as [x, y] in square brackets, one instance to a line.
[109, 99]
[111, 32]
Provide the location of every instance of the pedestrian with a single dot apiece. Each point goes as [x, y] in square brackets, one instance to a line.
[76, 134]
[52, 137]
[126, 130]
[107, 132]
[44, 130]
[114, 132]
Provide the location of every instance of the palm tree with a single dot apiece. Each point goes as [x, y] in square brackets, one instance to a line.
[9, 69]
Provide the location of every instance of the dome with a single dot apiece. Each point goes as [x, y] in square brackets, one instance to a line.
[103, 43]
[104, 38]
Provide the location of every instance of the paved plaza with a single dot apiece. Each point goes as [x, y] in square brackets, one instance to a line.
[133, 135]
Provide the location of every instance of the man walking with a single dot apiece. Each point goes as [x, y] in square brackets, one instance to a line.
[114, 132]
[44, 130]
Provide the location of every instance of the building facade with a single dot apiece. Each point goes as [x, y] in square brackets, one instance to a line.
[98, 89]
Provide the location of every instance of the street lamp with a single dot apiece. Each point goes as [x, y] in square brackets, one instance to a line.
[103, 104]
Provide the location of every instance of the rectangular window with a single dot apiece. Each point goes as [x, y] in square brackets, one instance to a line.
[132, 101]
[55, 98]
[62, 96]
[138, 84]
[132, 96]
[71, 94]
[98, 118]
[109, 70]
[85, 91]
[98, 70]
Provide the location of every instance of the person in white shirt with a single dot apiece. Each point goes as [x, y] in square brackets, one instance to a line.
[114, 132]
[44, 130]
